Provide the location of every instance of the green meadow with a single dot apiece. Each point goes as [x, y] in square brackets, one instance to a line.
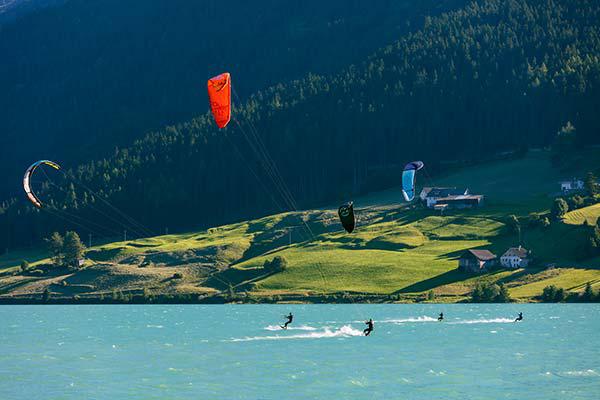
[397, 250]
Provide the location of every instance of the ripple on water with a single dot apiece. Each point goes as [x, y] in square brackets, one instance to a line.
[586, 373]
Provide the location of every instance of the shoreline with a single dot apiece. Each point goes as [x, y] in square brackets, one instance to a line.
[221, 300]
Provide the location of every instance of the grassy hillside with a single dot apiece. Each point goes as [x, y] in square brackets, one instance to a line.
[398, 250]
[578, 217]
[450, 82]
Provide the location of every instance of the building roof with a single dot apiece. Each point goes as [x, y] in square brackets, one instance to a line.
[481, 255]
[461, 197]
[570, 181]
[442, 192]
[520, 252]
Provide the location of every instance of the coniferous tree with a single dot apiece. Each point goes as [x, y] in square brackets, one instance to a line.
[55, 246]
[588, 292]
[591, 184]
[73, 249]
[46, 295]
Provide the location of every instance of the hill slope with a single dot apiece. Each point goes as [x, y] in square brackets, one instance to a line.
[490, 77]
[578, 217]
[82, 78]
[397, 252]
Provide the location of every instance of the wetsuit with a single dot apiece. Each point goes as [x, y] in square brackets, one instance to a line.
[520, 317]
[290, 318]
[369, 328]
[441, 317]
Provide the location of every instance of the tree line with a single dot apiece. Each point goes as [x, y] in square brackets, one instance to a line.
[493, 76]
[82, 77]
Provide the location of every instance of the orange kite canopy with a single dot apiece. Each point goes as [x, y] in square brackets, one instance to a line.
[219, 96]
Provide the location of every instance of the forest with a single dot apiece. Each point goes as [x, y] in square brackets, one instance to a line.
[486, 78]
[82, 78]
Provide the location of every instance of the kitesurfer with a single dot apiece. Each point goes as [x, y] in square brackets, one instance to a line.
[441, 317]
[369, 327]
[520, 317]
[290, 318]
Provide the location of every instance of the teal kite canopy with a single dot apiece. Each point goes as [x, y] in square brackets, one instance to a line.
[409, 178]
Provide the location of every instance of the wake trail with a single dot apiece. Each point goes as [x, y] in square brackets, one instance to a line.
[483, 321]
[344, 332]
[423, 318]
[290, 328]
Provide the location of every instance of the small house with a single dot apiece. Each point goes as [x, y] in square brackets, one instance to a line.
[571, 185]
[462, 201]
[430, 195]
[477, 261]
[515, 257]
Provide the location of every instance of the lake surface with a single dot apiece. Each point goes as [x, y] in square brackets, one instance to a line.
[239, 352]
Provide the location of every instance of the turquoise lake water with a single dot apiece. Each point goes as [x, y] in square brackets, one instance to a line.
[238, 352]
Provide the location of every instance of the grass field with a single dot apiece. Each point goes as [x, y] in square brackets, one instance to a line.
[395, 249]
[578, 217]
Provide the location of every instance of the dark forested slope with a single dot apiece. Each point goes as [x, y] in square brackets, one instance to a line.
[84, 77]
[491, 77]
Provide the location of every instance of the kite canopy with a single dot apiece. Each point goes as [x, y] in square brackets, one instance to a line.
[346, 214]
[219, 95]
[409, 178]
[27, 180]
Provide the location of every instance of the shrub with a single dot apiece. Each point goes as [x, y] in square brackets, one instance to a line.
[277, 264]
[559, 209]
[116, 295]
[552, 294]
[591, 185]
[24, 265]
[177, 275]
[485, 292]
[576, 202]
[588, 294]
[545, 222]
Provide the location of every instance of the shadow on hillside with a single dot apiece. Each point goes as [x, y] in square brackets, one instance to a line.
[86, 276]
[455, 255]
[142, 245]
[103, 255]
[239, 279]
[406, 217]
[446, 278]
[7, 288]
[377, 244]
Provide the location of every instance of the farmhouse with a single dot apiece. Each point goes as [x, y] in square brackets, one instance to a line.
[571, 185]
[430, 195]
[515, 257]
[477, 261]
[466, 201]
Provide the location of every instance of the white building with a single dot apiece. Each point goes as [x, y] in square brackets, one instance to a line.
[515, 257]
[430, 195]
[571, 185]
